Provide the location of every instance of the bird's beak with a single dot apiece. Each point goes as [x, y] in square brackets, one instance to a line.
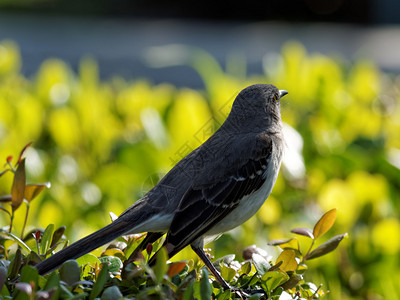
[282, 93]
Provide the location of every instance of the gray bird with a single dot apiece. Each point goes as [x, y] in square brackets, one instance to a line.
[215, 188]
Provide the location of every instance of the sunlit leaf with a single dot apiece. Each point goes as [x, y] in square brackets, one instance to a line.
[175, 268]
[18, 186]
[113, 216]
[326, 247]
[289, 260]
[227, 273]
[114, 252]
[260, 263]
[88, 261]
[303, 231]
[245, 268]
[273, 279]
[32, 190]
[325, 223]
[16, 239]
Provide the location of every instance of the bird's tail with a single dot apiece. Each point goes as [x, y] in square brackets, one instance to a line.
[120, 226]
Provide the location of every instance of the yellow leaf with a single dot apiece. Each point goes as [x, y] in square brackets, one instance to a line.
[32, 190]
[289, 260]
[325, 223]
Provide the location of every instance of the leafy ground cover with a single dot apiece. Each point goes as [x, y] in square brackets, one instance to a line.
[116, 274]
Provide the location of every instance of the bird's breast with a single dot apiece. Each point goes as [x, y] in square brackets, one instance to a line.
[248, 205]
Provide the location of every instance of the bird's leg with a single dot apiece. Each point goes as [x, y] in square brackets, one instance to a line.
[241, 293]
[200, 252]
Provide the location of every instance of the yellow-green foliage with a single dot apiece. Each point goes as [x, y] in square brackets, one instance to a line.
[103, 144]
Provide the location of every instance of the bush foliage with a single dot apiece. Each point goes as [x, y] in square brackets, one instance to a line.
[103, 144]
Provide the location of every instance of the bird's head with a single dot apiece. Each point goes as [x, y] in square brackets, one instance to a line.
[257, 106]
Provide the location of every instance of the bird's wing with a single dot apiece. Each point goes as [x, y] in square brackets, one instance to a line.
[203, 206]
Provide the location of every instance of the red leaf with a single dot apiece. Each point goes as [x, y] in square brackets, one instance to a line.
[175, 268]
[149, 249]
[9, 159]
[18, 186]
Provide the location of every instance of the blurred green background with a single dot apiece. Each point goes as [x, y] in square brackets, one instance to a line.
[103, 143]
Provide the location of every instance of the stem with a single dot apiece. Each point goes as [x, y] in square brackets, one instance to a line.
[308, 252]
[11, 220]
[26, 219]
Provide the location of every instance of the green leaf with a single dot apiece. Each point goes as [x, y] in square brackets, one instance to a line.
[274, 279]
[188, 294]
[32, 190]
[15, 265]
[245, 268]
[57, 235]
[289, 260]
[18, 186]
[326, 247]
[29, 274]
[53, 282]
[70, 272]
[260, 263]
[292, 282]
[227, 273]
[101, 280]
[325, 223]
[205, 286]
[88, 261]
[160, 268]
[46, 239]
[114, 263]
[111, 293]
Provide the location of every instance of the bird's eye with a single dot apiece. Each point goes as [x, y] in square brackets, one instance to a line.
[276, 98]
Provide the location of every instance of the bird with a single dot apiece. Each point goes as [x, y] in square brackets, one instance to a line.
[215, 188]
